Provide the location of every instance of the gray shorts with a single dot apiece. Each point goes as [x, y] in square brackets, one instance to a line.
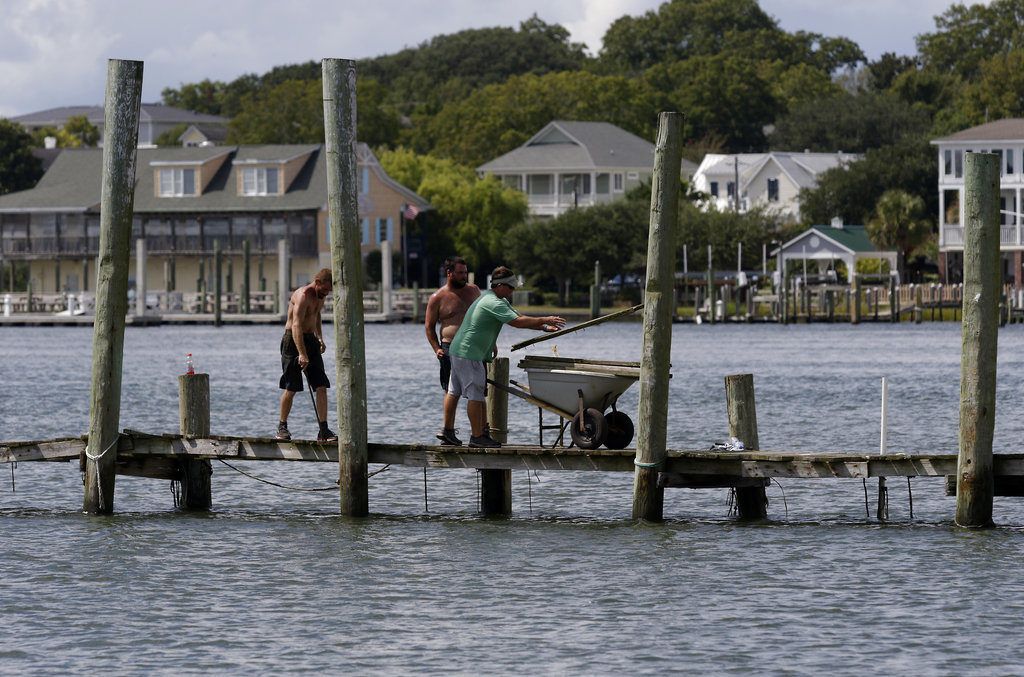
[468, 379]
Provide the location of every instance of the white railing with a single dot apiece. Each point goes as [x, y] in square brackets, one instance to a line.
[953, 236]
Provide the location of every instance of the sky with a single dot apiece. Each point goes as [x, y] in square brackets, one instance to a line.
[54, 52]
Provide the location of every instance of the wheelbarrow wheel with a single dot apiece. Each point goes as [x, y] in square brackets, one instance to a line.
[620, 430]
[591, 434]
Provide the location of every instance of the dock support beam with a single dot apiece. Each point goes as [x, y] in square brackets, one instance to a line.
[595, 293]
[751, 502]
[496, 485]
[194, 422]
[974, 485]
[648, 497]
[284, 275]
[339, 78]
[246, 265]
[385, 278]
[854, 298]
[121, 133]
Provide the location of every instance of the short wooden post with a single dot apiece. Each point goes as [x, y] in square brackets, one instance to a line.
[496, 485]
[648, 498]
[246, 264]
[117, 195]
[974, 485]
[284, 287]
[217, 260]
[194, 422]
[855, 299]
[751, 502]
[140, 277]
[339, 80]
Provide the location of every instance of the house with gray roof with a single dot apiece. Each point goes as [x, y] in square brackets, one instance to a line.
[574, 164]
[773, 180]
[154, 120]
[1004, 138]
[189, 198]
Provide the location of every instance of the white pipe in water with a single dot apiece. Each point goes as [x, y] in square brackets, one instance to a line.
[885, 416]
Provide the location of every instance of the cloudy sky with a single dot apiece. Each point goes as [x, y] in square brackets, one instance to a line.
[53, 52]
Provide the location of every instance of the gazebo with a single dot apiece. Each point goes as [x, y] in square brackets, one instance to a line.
[836, 242]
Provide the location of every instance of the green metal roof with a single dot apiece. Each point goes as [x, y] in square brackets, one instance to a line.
[854, 238]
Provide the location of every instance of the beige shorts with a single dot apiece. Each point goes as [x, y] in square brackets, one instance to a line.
[468, 379]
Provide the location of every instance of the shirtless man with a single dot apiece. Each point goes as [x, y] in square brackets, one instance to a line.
[306, 355]
[448, 305]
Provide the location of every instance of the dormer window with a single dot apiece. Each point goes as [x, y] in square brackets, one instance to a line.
[260, 181]
[177, 182]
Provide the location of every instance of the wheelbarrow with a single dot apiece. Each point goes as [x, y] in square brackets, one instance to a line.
[581, 391]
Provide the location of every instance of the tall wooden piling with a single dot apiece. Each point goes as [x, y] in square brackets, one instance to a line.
[339, 78]
[117, 195]
[416, 310]
[194, 422]
[246, 265]
[496, 485]
[648, 498]
[385, 278]
[595, 293]
[751, 502]
[140, 277]
[974, 477]
[217, 260]
[855, 295]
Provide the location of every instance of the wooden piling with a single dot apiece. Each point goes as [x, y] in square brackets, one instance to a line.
[385, 278]
[194, 422]
[496, 485]
[855, 298]
[140, 277]
[648, 497]
[284, 274]
[416, 310]
[751, 502]
[339, 80]
[595, 293]
[974, 487]
[217, 260]
[117, 194]
[246, 264]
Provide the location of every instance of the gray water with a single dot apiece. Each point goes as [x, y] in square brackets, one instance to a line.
[274, 581]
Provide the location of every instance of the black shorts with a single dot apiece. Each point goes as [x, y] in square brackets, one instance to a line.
[446, 366]
[291, 376]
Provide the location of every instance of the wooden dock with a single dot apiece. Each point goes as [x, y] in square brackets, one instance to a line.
[155, 456]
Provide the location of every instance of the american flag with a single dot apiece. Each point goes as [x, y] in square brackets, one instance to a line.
[410, 211]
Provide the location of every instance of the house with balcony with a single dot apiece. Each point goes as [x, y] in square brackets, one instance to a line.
[772, 180]
[575, 164]
[1004, 138]
[154, 120]
[186, 200]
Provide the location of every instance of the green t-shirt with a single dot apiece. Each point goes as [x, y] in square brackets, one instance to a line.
[479, 330]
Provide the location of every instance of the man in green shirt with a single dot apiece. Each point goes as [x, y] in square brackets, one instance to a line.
[476, 343]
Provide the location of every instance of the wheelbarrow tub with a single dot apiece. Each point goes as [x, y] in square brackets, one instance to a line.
[560, 387]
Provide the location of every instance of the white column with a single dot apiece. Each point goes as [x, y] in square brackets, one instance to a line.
[140, 277]
[1016, 214]
[385, 277]
[942, 216]
[283, 276]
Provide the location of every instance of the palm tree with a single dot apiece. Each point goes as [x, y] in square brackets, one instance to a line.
[901, 223]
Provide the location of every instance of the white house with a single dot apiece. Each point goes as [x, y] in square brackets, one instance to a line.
[771, 179]
[575, 164]
[1005, 138]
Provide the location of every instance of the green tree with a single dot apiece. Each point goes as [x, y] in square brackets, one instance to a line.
[968, 35]
[84, 132]
[852, 191]
[292, 112]
[551, 252]
[699, 228]
[900, 222]
[170, 137]
[997, 93]
[497, 118]
[849, 122]
[19, 169]
[884, 71]
[474, 212]
[719, 94]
